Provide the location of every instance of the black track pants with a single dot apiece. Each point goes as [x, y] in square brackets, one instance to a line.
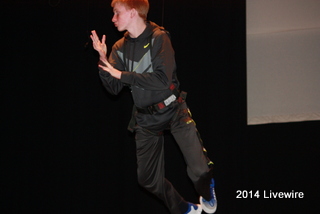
[150, 160]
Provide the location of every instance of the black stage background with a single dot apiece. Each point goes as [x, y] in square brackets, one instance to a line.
[64, 143]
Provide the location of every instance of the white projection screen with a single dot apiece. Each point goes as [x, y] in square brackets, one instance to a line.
[283, 60]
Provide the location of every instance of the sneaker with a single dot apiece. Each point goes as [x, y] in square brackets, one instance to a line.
[194, 209]
[210, 206]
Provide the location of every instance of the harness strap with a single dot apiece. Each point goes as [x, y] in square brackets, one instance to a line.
[161, 105]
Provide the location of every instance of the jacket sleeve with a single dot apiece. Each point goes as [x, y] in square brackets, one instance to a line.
[163, 63]
[113, 85]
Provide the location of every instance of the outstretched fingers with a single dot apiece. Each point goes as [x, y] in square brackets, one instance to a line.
[103, 41]
[98, 45]
[94, 36]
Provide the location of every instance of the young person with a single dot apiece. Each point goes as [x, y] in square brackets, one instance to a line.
[144, 61]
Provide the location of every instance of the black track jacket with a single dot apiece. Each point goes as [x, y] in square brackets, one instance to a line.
[148, 68]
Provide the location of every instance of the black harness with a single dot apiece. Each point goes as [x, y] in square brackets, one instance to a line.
[161, 105]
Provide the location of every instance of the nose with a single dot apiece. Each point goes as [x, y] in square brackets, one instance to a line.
[114, 18]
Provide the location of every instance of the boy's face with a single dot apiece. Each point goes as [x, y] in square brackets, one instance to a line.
[121, 17]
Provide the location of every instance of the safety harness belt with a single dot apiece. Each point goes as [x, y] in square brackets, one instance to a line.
[156, 107]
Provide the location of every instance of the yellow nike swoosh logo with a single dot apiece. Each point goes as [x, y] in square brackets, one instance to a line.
[146, 45]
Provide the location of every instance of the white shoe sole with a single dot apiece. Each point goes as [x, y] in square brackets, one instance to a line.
[209, 211]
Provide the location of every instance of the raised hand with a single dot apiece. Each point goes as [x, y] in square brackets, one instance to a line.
[101, 47]
[98, 45]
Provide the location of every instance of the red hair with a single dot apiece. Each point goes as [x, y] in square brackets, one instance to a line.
[142, 6]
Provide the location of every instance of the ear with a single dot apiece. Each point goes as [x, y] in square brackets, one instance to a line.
[133, 12]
